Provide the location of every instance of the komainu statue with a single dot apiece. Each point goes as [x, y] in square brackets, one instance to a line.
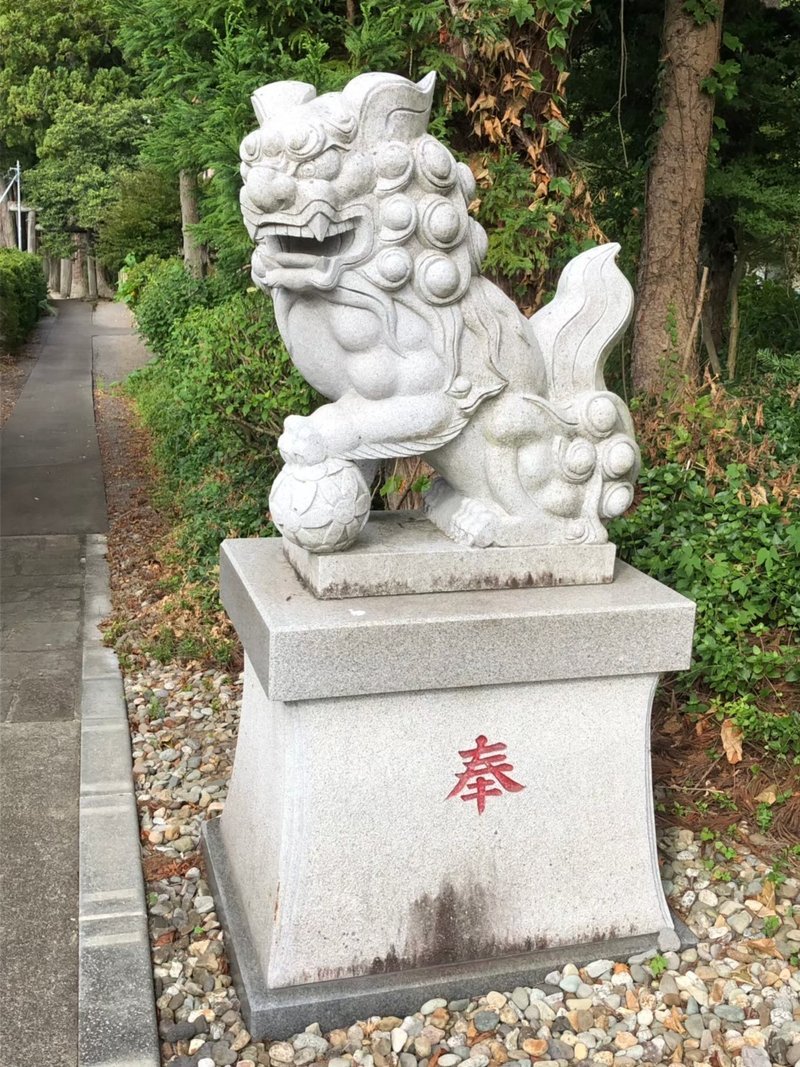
[363, 237]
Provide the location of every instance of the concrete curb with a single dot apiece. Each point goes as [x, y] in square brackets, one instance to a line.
[116, 1008]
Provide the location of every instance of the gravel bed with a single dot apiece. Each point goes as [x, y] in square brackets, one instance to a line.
[732, 1001]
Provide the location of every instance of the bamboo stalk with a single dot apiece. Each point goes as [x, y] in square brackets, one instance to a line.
[701, 296]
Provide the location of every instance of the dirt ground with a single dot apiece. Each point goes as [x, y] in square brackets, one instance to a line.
[14, 372]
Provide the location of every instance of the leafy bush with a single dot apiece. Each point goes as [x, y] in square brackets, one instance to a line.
[777, 397]
[770, 319]
[144, 218]
[215, 402]
[160, 292]
[714, 522]
[23, 295]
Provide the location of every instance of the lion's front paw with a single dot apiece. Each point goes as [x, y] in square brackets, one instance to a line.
[301, 442]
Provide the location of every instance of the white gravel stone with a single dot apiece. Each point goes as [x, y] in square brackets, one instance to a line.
[725, 972]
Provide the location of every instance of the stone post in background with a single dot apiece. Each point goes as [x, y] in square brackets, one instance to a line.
[91, 274]
[53, 273]
[65, 278]
[30, 235]
[79, 287]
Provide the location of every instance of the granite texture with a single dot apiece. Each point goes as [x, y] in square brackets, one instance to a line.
[401, 552]
[280, 1013]
[364, 239]
[482, 761]
[316, 780]
[304, 648]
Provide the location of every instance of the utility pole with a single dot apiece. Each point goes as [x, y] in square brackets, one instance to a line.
[19, 206]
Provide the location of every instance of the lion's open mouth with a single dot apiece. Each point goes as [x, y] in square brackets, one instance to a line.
[300, 246]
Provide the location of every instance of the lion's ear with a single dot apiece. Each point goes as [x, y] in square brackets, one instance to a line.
[277, 97]
[390, 108]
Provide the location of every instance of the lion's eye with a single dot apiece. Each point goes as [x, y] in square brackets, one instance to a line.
[271, 143]
[306, 170]
[305, 143]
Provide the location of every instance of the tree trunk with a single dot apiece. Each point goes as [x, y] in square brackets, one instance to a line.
[65, 278]
[91, 277]
[8, 233]
[708, 342]
[721, 258]
[194, 256]
[668, 264]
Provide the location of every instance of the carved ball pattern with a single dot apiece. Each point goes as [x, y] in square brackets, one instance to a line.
[251, 146]
[616, 500]
[479, 243]
[619, 458]
[602, 414]
[393, 160]
[441, 224]
[435, 163]
[466, 180]
[399, 214]
[438, 276]
[394, 268]
[579, 459]
[321, 508]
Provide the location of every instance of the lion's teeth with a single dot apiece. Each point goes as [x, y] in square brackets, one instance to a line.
[318, 227]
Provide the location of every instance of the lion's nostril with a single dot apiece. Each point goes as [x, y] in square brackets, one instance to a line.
[269, 189]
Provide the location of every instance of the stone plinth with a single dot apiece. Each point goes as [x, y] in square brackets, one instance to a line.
[355, 870]
[403, 552]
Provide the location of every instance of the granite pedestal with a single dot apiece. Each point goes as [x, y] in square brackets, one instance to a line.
[436, 794]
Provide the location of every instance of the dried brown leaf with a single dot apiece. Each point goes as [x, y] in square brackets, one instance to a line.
[767, 796]
[731, 737]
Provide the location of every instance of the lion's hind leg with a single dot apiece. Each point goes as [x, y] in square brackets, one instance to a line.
[462, 518]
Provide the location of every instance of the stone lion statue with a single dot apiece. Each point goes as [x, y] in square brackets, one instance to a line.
[363, 237]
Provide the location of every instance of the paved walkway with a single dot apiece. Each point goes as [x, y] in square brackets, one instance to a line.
[52, 501]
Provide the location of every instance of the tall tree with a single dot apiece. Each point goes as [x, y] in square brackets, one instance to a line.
[667, 309]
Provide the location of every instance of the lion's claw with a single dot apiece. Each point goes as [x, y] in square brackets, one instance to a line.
[301, 442]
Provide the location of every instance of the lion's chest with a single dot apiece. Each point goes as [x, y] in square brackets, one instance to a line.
[341, 349]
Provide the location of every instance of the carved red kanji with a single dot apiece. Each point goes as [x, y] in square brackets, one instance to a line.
[486, 767]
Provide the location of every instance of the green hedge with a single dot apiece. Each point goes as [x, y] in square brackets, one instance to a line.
[215, 400]
[23, 294]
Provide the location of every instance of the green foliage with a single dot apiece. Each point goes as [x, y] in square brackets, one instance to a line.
[776, 733]
[83, 157]
[712, 531]
[770, 320]
[200, 63]
[658, 964]
[772, 924]
[702, 11]
[752, 202]
[165, 293]
[144, 218]
[53, 55]
[215, 400]
[741, 565]
[23, 295]
[523, 237]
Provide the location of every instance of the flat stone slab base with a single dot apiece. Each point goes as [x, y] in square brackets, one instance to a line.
[401, 552]
[280, 1013]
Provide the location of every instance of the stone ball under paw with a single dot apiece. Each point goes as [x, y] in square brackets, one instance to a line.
[323, 507]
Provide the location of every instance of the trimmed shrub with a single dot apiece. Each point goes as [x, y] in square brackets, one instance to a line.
[23, 295]
[160, 292]
[215, 401]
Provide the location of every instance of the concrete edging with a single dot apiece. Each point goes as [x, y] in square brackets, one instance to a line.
[117, 1024]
